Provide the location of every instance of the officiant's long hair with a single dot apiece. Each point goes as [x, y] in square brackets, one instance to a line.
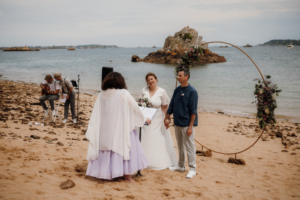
[114, 80]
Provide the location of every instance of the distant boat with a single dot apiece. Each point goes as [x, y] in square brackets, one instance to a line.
[248, 45]
[290, 46]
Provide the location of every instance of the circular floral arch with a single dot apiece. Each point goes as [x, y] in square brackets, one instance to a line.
[194, 52]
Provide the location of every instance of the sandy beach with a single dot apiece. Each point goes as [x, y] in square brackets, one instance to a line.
[34, 168]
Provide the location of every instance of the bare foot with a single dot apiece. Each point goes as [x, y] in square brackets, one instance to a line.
[128, 178]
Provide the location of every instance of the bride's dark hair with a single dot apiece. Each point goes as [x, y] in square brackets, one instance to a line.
[114, 80]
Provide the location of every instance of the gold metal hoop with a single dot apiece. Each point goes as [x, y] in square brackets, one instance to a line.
[264, 82]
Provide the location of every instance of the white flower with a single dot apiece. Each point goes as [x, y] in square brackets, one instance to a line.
[261, 91]
[273, 96]
[267, 111]
[143, 104]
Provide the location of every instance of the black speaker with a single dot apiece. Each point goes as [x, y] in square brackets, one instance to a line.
[74, 83]
[106, 71]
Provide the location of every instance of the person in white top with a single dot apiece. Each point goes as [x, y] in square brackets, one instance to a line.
[51, 89]
[114, 147]
[67, 88]
[156, 141]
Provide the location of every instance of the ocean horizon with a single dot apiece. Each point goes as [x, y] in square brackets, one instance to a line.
[222, 87]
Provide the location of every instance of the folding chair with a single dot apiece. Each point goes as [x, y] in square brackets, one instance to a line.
[56, 107]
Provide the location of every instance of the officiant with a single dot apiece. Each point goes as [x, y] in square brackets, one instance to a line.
[114, 147]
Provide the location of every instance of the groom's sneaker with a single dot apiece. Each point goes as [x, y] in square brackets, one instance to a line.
[177, 168]
[191, 174]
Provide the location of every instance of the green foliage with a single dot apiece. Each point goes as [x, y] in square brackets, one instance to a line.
[188, 58]
[187, 35]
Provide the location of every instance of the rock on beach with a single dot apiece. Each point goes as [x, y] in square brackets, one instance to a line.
[176, 45]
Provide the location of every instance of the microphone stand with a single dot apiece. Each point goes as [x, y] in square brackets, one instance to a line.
[78, 100]
[140, 137]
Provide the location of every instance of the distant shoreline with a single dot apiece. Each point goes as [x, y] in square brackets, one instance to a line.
[200, 110]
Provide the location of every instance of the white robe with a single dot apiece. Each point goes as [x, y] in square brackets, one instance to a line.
[115, 115]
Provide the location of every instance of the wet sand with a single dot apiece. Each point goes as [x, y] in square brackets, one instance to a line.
[34, 168]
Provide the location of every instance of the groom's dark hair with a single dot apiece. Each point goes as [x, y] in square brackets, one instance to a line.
[186, 72]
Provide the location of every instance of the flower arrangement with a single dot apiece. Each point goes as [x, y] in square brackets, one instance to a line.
[266, 93]
[188, 57]
[144, 102]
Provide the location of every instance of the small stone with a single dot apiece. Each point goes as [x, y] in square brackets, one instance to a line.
[85, 139]
[279, 134]
[33, 129]
[284, 150]
[208, 153]
[35, 137]
[67, 184]
[28, 109]
[237, 161]
[47, 138]
[241, 161]
[49, 142]
[293, 154]
[232, 160]
[80, 168]
[265, 139]
[52, 133]
[4, 126]
[228, 130]
[77, 126]
[272, 134]
[60, 143]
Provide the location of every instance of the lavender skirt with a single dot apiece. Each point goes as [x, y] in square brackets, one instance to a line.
[110, 165]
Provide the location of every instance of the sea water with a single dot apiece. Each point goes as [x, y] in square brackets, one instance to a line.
[226, 87]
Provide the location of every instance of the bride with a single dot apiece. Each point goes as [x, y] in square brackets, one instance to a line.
[156, 141]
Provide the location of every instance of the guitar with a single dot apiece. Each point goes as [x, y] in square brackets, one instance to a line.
[45, 88]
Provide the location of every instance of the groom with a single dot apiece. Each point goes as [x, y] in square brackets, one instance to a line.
[183, 105]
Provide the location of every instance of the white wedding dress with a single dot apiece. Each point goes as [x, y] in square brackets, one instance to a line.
[156, 141]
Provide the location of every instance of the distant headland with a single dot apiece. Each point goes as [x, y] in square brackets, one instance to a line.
[281, 42]
[37, 48]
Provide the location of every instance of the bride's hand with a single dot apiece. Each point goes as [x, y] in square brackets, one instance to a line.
[148, 121]
[166, 121]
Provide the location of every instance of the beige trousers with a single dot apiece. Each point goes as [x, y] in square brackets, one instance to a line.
[186, 143]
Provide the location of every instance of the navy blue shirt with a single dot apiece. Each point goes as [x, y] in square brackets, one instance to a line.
[183, 104]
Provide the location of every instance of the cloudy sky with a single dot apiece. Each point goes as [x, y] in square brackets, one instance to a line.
[132, 23]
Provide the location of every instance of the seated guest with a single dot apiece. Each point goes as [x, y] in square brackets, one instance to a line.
[114, 147]
[50, 90]
[67, 88]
